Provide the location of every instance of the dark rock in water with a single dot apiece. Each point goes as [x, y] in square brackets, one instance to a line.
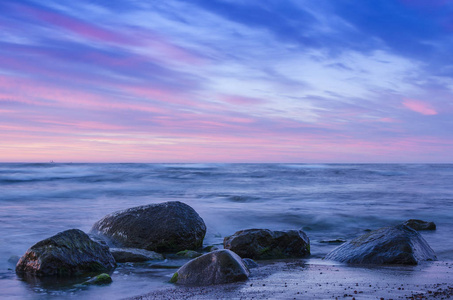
[67, 253]
[134, 255]
[390, 245]
[249, 263]
[211, 248]
[13, 259]
[100, 279]
[189, 253]
[100, 240]
[420, 225]
[164, 227]
[337, 241]
[267, 244]
[217, 267]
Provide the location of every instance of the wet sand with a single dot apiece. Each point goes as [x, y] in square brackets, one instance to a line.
[317, 279]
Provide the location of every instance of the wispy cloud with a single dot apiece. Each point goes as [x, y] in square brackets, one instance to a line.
[226, 81]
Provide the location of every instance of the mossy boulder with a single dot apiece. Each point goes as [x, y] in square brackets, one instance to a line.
[101, 279]
[68, 253]
[165, 227]
[420, 225]
[268, 244]
[389, 245]
[217, 267]
[134, 255]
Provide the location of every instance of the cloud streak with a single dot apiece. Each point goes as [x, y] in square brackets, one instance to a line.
[225, 81]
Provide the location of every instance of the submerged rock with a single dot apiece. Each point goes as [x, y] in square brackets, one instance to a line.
[164, 227]
[332, 242]
[389, 245]
[268, 244]
[67, 253]
[100, 279]
[217, 267]
[134, 255]
[420, 225]
[189, 254]
[13, 259]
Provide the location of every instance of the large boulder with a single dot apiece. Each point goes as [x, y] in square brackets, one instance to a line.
[389, 245]
[420, 225]
[217, 267]
[164, 227]
[67, 253]
[268, 244]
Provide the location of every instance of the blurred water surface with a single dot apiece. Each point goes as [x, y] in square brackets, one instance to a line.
[328, 201]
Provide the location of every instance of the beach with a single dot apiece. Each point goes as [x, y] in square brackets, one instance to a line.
[317, 279]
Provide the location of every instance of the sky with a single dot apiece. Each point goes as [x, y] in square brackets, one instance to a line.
[295, 81]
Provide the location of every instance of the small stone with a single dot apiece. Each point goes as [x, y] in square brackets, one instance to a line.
[420, 225]
[100, 279]
[13, 259]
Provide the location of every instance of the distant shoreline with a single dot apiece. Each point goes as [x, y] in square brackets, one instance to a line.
[316, 279]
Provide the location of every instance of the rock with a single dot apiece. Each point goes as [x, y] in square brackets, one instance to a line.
[420, 225]
[211, 248]
[13, 259]
[188, 253]
[100, 279]
[134, 255]
[389, 245]
[267, 244]
[164, 227]
[337, 241]
[249, 263]
[67, 253]
[217, 267]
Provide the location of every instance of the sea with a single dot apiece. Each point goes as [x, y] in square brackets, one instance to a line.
[327, 201]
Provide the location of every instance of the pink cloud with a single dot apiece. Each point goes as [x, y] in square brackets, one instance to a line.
[419, 106]
[77, 26]
[240, 100]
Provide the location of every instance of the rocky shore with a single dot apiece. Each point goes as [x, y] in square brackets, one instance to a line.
[387, 263]
[318, 279]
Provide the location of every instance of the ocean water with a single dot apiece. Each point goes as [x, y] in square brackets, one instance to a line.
[328, 201]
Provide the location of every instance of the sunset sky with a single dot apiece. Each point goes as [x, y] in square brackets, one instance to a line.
[226, 81]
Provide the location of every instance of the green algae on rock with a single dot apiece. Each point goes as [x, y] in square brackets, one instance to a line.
[68, 253]
[100, 279]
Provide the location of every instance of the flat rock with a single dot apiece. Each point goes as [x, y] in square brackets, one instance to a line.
[389, 245]
[420, 225]
[134, 255]
[268, 244]
[217, 267]
[165, 227]
[67, 253]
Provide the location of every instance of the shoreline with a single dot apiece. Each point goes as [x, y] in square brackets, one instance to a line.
[317, 279]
